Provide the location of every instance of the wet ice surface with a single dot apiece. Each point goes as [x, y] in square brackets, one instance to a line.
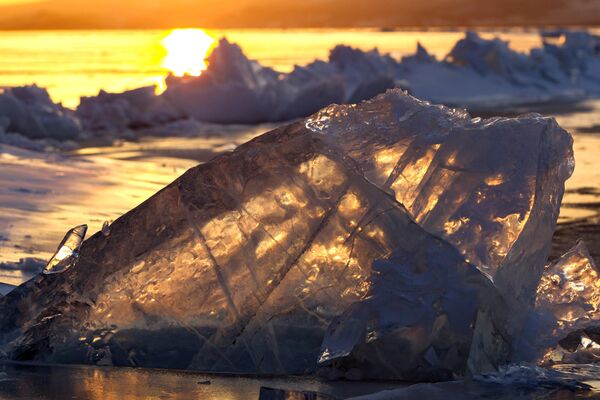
[28, 382]
[46, 382]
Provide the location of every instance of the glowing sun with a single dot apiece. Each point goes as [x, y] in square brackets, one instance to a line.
[186, 51]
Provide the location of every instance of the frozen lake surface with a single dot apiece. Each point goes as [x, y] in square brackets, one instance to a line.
[61, 382]
[26, 382]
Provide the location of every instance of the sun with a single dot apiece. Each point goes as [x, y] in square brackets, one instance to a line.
[186, 51]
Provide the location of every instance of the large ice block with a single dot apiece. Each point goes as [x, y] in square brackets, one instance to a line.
[360, 215]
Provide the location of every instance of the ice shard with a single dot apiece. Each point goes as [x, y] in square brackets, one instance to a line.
[404, 221]
[106, 228]
[67, 253]
[564, 326]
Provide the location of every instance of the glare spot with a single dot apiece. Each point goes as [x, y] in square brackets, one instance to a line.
[495, 180]
[186, 51]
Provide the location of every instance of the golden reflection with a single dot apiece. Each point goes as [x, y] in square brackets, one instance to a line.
[511, 226]
[323, 173]
[386, 159]
[452, 226]
[406, 186]
[570, 291]
[350, 204]
[571, 287]
[187, 50]
[495, 180]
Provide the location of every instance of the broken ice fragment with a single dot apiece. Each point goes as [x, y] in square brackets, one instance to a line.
[106, 228]
[570, 288]
[565, 324]
[67, 253]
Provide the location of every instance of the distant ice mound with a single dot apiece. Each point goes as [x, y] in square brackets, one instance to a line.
[119, 112]
[479, 74]
[235, 89]
[28, 113]
[482, 75]
[391, 239]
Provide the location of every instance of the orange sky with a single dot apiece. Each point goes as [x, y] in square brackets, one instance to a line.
[8, 2]
[107, 14]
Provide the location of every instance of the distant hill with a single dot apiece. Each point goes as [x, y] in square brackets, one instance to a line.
[113, 14]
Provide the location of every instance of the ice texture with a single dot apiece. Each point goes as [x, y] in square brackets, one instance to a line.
[455, 182]
[405, 223]
[416, 322]
[564, 326]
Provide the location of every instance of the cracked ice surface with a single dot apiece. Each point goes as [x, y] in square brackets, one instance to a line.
[455, 181]
[478, 183]
[243, 263]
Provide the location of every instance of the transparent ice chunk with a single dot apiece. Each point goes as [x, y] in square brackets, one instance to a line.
[408, 223]
[564, 326]
[67, 253]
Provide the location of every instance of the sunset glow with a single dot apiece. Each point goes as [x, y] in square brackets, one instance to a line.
[186, 51]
